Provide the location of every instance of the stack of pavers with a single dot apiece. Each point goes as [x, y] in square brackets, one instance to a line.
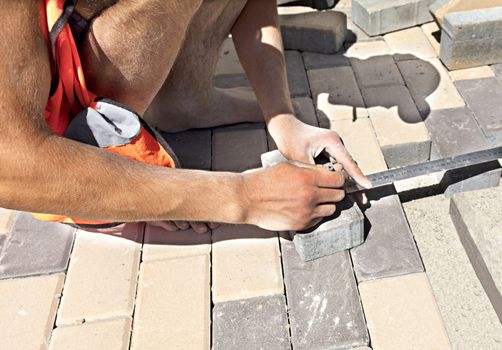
[421, 279]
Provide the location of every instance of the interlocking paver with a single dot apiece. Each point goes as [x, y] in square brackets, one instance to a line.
[297, 77]
[192, 147]
[430, 85]
[160, 244]
[472, 73]
[322, 32]
[238, 148]
[246, 263]
[376, 71]
[324, 306]
[101, 281]
[336, 94]
[173, 304]
[360, 140]
[389, 249]
[35, 247]
[257, 323]
[484, 99]
[367, 49]
[315, 60]
[28, 310]
[477, 218]
[402, 314]
[231, 81]
[305, 111]
[109, 334]
[6, 219]
[409, 44]
[433, 33]
[400, 131]
[468, 316]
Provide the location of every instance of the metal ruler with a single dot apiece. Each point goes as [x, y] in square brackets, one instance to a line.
[388, 177]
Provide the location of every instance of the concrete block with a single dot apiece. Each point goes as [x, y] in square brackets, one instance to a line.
[409, 44]
[109, 334]
[231, 81]
[440, 8]
[293, 10]
[101, 279]
[472, 73]
[497, 69]
[472, 38]
[192, 147]
[313, 60]
[355, 34]
[378, 17]
[258, 323]
[402, 314]
[377, 71]
[35, 247]
[433, 34]
[389, 249]
[472, 178]
[324, 306]
[160, 244]
[173, 304]
[322, 32]
[476, 216]
[468, 316]
[400, 131]
[360, 140]
[336, 94]
[272, 158]
[228, 62]
[304, 110]
[430, 85]
[297, 77]
[29, 308]
[237, 148]
[484, 99]
[246, 263]
[367, 49]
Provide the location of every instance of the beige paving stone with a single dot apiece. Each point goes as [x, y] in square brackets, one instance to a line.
[160, 244]
[28, 309]
[366, 49]
[246, 263]
[430, 30]
[109, 335]
[401, 313]
[173, 305]
[360, 140]
[228, 62]
[6, 218]
[293, 10]
[409, 44]
[472, 73]
[102, 275]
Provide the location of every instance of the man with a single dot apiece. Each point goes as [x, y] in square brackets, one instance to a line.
[133, 51]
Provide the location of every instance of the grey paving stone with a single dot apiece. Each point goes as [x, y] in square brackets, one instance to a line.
[477, 178]
[258, 323]
[237, 148]
[228, 81]
[324, 306]
[35, 248]
[193, 148]
[315, 60]
[322, 32]
[477, 218]
[468, 316]
[376, 71]
[497, 69]
[484, 99]
[305, 111]
[297, 77]
[377, 17]
[389, 249]
[471, 38]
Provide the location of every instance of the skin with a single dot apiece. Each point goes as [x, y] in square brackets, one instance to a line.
[42, 172]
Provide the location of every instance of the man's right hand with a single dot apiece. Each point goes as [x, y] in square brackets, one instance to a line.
[288, 197]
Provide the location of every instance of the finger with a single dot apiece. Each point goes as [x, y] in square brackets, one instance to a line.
[199, 227]
[213, 225]
[330, 179]
[343, 157]
[330, 195]
[324, 210]
[182, 225]
[166, 225]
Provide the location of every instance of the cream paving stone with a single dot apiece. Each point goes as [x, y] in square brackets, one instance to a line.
[102, 275]
[360, 140]
[109, 335]
[160, 244]
[366, 49]
[27, 311]
[228, 62]
[472, 73]
[6, 219]
[401, 313]
[293, 10]
[409, 44]
[431, 30]
[173, 305]
[246, 263]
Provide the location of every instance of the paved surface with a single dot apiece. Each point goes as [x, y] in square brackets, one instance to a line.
[411, 285]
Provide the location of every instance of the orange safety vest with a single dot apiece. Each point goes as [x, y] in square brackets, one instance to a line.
[76, 113]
